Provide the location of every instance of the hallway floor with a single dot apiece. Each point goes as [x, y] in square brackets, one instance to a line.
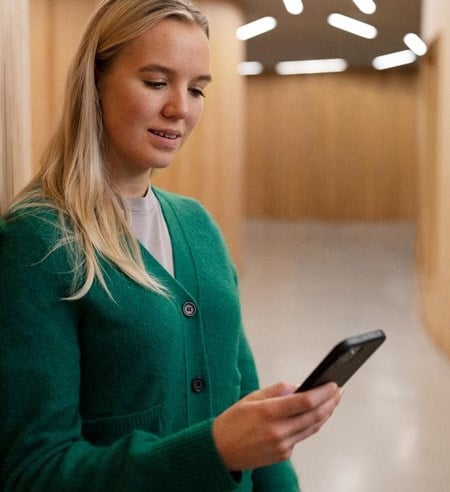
[306, 286]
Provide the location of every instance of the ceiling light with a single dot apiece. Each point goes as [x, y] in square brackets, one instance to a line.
[250, 68]
[415, 44]
[352, 25]
[255, 28]
[311, 66]
[366, 6]
[294, 7]
[394, 59]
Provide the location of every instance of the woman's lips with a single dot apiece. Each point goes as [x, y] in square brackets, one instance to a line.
[166, 138]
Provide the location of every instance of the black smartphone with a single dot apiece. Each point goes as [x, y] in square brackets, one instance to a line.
[344, 360]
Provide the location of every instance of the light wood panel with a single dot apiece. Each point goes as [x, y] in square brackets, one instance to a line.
[15, 168]
[433, 238]
[427, 257]
[210, 167]
[55, 30]
[332, 146]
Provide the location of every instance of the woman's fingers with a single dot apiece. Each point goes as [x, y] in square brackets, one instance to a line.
[289, 404]
[316, 410]
[276, 390]
[311, 421]
[264, 427]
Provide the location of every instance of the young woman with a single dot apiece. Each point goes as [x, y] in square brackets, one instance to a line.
[123, 362]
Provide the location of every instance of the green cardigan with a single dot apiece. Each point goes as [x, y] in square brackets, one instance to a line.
[120, 395]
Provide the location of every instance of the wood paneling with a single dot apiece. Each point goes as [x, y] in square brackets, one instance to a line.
[332, 146]
[433, 236]
[427, 258]
[55, 29]
[210, 166]
[15, 167]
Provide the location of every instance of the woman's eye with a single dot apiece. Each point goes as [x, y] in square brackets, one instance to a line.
[197, 92]
[154, 84]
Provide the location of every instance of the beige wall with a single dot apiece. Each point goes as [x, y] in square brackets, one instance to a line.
[434, 225]
[335, 146]
[15, 166]
[210, 166]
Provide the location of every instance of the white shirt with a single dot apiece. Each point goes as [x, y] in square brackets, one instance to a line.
[149, 227]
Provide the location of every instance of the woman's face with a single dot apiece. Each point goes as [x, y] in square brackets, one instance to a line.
[152, 98]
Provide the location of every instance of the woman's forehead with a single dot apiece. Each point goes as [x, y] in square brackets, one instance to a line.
[170, 43]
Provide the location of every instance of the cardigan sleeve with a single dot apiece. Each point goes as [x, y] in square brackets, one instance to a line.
[41, 443]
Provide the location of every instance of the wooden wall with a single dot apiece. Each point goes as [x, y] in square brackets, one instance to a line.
[335, 146]
[210, 167]
[433, 272]
[15, 164]
[55, 28]
[433, 238]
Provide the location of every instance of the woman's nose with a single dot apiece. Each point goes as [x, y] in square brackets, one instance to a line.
[176, 105]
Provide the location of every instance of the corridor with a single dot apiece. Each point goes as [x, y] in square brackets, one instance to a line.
[306, 286]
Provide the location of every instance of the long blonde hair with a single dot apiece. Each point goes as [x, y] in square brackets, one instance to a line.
[73, 179]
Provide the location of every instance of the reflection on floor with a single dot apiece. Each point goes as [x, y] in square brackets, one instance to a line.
[306, 286]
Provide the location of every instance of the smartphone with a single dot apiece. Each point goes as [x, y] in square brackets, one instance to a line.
[344, 360]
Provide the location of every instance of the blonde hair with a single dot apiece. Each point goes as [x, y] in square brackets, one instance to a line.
[73, 179]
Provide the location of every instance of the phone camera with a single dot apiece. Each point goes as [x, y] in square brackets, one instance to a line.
[351, 353]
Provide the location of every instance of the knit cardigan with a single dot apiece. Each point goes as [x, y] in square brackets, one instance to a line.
[119, 394]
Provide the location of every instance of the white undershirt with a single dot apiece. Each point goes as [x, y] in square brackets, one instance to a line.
[149, 227]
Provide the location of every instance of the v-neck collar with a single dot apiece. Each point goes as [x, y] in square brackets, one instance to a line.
[185, 278]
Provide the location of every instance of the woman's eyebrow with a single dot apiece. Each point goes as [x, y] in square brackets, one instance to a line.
[166, 70]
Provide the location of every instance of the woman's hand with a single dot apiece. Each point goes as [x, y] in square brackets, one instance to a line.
[263, 428]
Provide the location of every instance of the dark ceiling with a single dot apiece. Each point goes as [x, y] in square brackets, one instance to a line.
[308, 35]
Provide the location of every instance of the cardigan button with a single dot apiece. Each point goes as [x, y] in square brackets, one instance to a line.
[198, 385]
[189, 309]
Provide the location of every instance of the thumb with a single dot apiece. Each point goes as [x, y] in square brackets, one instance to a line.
[281, 388]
